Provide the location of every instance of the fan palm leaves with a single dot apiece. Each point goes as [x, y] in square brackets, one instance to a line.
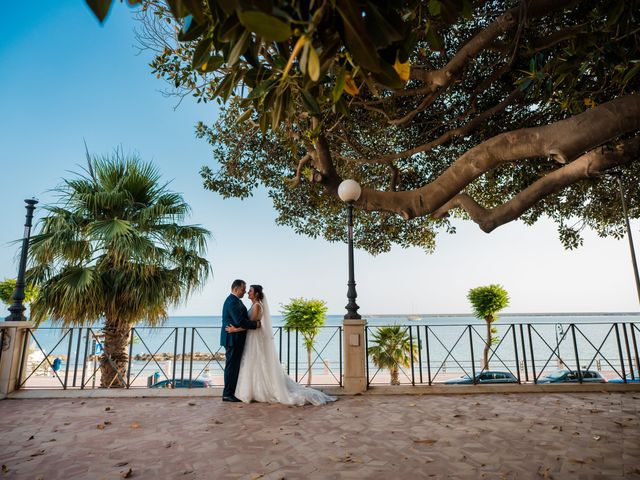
[113, 248]
[391, 348]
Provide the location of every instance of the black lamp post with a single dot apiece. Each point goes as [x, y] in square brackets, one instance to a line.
[634, 263]
[349, 192]
[17, 309]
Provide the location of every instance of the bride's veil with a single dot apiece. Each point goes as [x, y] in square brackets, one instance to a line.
[266, 317]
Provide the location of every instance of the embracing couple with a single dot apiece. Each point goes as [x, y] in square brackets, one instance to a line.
[252, 371]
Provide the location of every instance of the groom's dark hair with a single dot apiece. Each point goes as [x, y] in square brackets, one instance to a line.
[237, 284]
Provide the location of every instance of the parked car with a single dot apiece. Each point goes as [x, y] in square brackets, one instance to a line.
[183, 383]
[571, 376]
[628, 377]
[484, 377]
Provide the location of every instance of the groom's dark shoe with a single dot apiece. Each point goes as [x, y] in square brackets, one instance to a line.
[230, 399]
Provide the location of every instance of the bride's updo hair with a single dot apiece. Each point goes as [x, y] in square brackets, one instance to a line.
[257, 289]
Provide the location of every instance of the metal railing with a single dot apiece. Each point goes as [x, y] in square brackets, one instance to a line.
[527, 351]
[170, 355]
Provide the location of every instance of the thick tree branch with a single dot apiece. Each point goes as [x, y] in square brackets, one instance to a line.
[589, 165]
[564, 141]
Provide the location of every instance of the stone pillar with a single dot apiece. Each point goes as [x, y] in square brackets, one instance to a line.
[13, 354]
[355, 356]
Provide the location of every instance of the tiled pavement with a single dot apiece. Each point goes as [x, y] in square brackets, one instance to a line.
[497, 436]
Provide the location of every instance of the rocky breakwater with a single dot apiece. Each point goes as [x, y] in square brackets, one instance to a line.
[163, 357]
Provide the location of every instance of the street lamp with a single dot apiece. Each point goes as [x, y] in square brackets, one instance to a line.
[17, 309]
[634, 263]
[349, 192]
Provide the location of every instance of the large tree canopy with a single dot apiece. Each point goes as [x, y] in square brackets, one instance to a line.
[490, 110]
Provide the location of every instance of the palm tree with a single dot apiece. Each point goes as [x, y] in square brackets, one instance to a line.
[392, 349]
[307, 317]
[113, 249]
[486, 303]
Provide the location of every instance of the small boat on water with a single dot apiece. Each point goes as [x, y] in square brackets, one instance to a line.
[414, 317]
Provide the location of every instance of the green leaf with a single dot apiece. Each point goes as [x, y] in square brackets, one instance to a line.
[388, 76]
[310, 103]
[356, 37]
[178, 9]
[432, 37]
[314, 65]
[336, 93]
[239, 48]
[276, 112]
[100, 8]
[201, 53]
[435, 7]
[263, 88]
[244, 116]
[266, 26]
[631, 73]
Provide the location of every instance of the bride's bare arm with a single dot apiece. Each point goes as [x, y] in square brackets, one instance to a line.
[256, 312]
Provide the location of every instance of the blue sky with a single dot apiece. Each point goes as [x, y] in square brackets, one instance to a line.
[66, 80]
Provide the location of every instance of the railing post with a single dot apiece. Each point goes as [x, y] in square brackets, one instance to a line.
[296, 355]
[473, 360]
[132, 332]
[624, 374]
[413, 373]
[66, 368]
[626, 344]
[84, 359]
[356, 376]
[75, 368]
[426, 344]
[193, 334]
[419, 353]
[575, 349]
[515, 349]
[533, 360]
[340, 353]
[635, 349]
[524, 355]
[175, 357]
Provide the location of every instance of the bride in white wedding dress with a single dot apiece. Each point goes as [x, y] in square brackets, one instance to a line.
[262, 378]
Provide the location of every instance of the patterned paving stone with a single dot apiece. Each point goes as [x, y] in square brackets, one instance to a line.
[519, 436]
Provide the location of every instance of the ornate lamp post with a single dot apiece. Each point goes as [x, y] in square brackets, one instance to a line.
[349, 192]
[17, 309]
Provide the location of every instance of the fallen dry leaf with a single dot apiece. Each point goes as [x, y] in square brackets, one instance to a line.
[135, 425]
[100, 426]
[544, 473]
[426, 441]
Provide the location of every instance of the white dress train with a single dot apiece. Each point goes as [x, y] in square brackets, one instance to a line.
[262, 378]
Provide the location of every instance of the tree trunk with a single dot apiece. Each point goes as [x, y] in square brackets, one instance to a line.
[116, 338]
[309, 363]
[395, 376]
[485, 357]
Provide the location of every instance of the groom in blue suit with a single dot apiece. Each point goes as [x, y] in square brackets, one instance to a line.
[234, 313]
